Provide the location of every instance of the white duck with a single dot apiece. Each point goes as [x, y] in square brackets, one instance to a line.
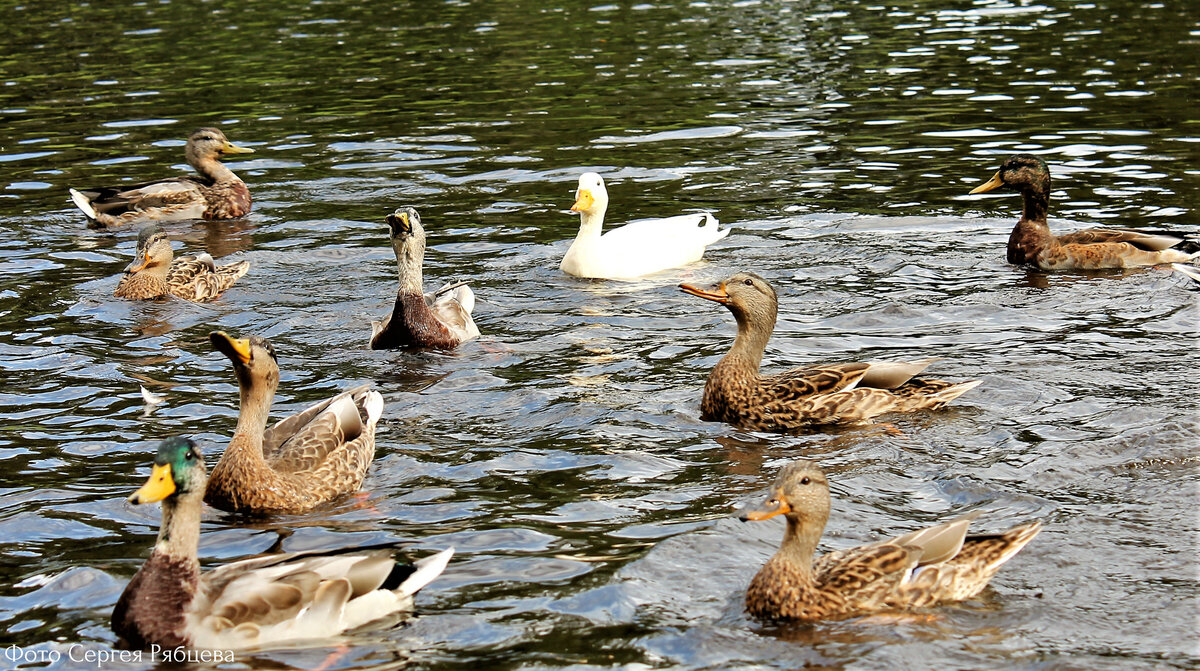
[635, 249]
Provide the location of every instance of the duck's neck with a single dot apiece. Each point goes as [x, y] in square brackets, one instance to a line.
[590, 224]
[408, 266]
[253, 409]
[750, 343]
[214, 170]
[1037, 202]
[798, 546]
[179, 534]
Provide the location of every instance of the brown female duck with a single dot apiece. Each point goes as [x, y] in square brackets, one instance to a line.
[255, 602]
[215, 193]
[155, 272]
[303, 460]
[919, 569]
[1032, 242]
[827, 394]
[439, 320]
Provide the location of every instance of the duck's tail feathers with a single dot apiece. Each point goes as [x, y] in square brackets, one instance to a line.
[81, 201]
[710, 222]
[374, 407]
[952, 392]
[1190, 271]
[427, 570]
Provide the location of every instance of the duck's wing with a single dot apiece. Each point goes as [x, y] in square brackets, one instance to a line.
[863, 579]
[802, 383]
[167, 199]
[651, 245]
[286, 597]
[304, 440]
[1150, 241]
[452, 305]
[197, 278]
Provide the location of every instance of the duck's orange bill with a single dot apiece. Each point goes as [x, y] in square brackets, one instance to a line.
[716, 293]
[991, 185]
[776, 506]
[230, 346]
[158, 487]
[139, 264]
[583, 200]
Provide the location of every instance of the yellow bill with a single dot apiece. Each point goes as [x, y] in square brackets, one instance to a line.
[158, 487]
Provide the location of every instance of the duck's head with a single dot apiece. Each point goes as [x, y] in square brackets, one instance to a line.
[178, 471]
[153, 251]
[800, 493]
[208, 144]
[749, 297]
[253, 358]
[590, 196]
[408, 242]
[1025, 173]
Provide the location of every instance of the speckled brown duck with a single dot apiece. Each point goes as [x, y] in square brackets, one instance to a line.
[301, 461]
[438, 320]
[917, 570]
[257, 602]
[1091, 249]
[738, 394]
[155, 272]
[214, 193]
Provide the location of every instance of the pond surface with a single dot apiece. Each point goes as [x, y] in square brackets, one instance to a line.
[561, 453]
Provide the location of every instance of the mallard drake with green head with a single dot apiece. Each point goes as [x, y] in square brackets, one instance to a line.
[257, 602]
[155, 272]
[300, 462]
[919, 569]
[1091, 249]
[738, 394]
[438, 320]
[215, 193]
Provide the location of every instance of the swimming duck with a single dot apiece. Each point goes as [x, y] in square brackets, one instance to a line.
[1032, 242]
[919, 569]
[156, 272]
[827, 394]
[255, 602]
[216, 193]
[303, 460]
[441, 319]
[635, 249]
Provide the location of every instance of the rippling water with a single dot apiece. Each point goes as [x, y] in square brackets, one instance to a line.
[561, 453]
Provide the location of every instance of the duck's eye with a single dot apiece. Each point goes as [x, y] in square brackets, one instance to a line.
[190, 456]
[748, 282]
[805, 481]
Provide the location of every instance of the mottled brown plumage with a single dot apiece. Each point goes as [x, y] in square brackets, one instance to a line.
[1032, 242]
[438, 320]
[215, 193]
[826, 394]
[303, 460]
[919, 569]
[256, 602]
[155, 272]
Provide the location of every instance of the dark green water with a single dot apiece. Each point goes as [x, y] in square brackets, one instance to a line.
[561, 453]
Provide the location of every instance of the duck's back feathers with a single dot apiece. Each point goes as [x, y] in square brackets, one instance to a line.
[644, 247]
[305, 441]
[1151, 241]
[174, 199]
[198, 278]
[266, 600]
[452, 305]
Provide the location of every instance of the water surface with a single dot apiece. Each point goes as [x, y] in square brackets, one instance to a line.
[561, 453]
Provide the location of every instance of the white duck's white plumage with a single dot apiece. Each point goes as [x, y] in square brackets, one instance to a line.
[635, 249]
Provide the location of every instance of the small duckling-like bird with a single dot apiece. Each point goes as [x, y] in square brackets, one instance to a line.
[302, 461]
[215, 193]
[257, 602]
[826, 394]
[439, 320]
[155, 272]
[636, 249]
[1091, 249]
[917, 570]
